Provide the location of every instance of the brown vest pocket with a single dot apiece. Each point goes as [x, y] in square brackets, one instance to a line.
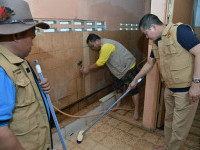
[24, 90]
[27, 132]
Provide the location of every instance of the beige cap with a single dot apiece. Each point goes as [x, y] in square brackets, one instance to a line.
[20, 20]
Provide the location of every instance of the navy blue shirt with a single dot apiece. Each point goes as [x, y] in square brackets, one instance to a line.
[187, 39]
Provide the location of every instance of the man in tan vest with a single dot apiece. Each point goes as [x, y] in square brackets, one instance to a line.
[120, 62]
[24, 117]
[176, 50]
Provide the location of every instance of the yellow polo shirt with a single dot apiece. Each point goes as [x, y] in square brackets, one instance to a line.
[104, 54]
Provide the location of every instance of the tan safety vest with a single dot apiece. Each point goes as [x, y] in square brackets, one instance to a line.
[30, 121]
[120, 61]
[175, 63]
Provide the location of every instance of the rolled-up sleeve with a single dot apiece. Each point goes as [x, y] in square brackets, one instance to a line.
[7, 98]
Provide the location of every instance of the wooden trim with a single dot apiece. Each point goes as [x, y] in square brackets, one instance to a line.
[152, 89]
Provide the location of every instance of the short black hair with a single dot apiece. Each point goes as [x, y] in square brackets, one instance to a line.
[148, 20]
[92, 38]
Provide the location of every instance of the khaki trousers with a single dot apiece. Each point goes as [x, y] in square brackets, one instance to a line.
[178, 118]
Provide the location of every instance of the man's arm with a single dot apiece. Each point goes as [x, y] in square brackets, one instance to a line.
[106, 51]
[194, 92]
[86, 70]
[145, 69]
[8, 140]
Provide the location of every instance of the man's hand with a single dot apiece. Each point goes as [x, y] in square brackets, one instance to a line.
[131, 85]
[84, 70]
[194, 92]
[45, 85]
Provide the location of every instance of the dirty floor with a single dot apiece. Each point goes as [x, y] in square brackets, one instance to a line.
[117, 131]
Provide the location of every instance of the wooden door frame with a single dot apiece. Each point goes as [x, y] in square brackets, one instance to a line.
[152, 88]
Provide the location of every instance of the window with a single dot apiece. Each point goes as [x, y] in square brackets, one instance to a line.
[50, 30]
[100, 26]
[128, 26]
[68, 25]
[90, 23]
[134, 29]
[100, 23]
[136, 25]
[49, 21]
[79, 29]
[65, 22]
[100, 29]
[78, 23]
[66, 29]
[90, 29]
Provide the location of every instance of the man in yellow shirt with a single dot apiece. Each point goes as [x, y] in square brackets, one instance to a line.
[120, 62]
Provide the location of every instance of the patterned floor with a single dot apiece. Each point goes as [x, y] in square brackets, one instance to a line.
[117, 131]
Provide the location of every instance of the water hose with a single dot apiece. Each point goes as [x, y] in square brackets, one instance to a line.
[39, 71]
[81, 133]
[85, 116]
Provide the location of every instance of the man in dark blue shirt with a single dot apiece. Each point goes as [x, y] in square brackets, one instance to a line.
[177, 51]
[187, 39]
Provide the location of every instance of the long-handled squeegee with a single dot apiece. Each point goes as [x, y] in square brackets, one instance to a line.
[39, 71]
[81, 133]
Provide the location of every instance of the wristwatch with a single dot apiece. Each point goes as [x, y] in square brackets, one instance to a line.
[196, 80]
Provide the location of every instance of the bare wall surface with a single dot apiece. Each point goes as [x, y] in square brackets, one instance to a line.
[111, 11]
[59, 53]
[183, 11]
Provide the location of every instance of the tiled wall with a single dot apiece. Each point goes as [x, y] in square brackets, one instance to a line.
[59, 53]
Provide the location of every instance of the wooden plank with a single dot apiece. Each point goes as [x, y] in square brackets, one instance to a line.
[158, 7]
[151, 97]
